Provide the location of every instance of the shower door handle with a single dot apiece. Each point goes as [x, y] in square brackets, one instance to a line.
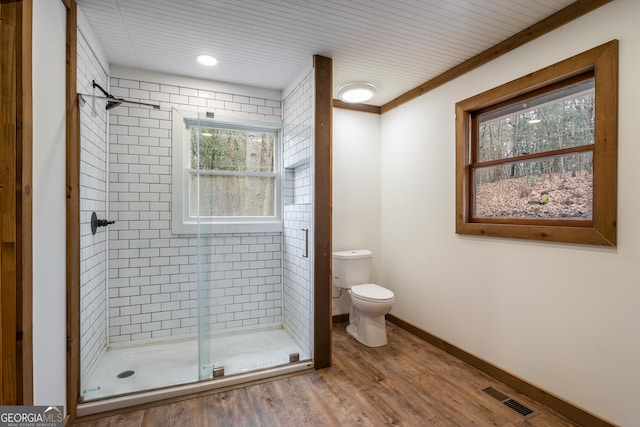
[306, 243]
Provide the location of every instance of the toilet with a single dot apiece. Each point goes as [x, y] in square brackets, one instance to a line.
[369, 302]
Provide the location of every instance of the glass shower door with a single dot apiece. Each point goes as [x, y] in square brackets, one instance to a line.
[93, 246]
[138, 302]
[234, 178]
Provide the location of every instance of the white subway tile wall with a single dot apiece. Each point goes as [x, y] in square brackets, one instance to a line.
[153, 273]
[298, 123]
[93, 191]
[298, 208]
[243, 277]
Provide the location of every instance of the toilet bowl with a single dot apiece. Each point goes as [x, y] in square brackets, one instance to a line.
[369, 302]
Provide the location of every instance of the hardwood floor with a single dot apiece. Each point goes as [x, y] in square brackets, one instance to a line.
[406, 383]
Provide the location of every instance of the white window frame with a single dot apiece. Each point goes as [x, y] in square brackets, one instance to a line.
[181, 221]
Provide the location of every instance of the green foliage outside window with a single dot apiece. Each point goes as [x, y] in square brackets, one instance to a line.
[232, 173]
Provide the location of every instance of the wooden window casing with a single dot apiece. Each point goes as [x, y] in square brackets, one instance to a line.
[601, 63]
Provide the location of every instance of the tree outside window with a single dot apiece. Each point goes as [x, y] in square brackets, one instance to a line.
[226, 175]
[232, 173]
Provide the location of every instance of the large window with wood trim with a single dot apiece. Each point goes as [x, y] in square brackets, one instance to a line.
[537, 157]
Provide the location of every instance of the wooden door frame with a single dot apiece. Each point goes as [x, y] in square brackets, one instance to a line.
[16, 166]
[72, 214]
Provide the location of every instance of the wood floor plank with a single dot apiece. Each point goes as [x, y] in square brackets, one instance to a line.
[177, 414]
[408, 382]
[384, 373]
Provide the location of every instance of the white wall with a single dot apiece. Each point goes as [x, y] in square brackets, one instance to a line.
[356, 188]
[563, 317]
[49, 232]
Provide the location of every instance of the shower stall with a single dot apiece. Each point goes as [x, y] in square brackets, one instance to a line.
[196, 235]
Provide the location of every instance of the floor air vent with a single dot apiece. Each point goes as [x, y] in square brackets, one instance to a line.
[518, 407]
[508, 402]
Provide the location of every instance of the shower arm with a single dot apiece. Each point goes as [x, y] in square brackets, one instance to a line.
[112, 98]
[119, 100]
[106, 94]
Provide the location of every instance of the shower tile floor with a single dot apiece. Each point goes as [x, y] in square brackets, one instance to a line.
[169, 363]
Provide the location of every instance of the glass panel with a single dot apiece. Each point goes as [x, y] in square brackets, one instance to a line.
[206, 271]
[559, 119]
[557, 187]
[241, 296]
[138, 297]
[206, 275]
[232, 150]
[94, 311]
[223, 195]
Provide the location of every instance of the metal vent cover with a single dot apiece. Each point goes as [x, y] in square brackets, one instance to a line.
[518, 407]
[508, 402]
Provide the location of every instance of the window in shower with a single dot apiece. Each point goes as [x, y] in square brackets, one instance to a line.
[227, 174]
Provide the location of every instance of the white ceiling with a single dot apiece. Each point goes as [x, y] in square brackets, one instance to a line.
[394, 44]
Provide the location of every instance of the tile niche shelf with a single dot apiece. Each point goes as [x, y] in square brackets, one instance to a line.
[297, 184]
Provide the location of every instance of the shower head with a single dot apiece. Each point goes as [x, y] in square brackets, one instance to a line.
[113, 103]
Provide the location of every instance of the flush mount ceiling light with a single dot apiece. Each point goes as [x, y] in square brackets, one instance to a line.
[206, 60]
[356, 92]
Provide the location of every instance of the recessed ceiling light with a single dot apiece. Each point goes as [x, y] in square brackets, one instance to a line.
[356, 92]
[206, 60]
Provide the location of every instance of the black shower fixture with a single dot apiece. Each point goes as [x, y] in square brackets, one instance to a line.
[95, 223]
[113, 102]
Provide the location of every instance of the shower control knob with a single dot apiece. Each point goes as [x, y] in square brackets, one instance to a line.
[95, 223]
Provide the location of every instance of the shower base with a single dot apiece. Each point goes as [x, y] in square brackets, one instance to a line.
[170, 363]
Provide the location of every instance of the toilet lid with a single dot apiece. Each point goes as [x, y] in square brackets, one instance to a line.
[372, 292]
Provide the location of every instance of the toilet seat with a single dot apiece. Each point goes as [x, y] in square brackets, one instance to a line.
[372, 293]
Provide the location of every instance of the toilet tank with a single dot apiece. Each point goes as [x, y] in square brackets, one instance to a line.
[351, 268]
